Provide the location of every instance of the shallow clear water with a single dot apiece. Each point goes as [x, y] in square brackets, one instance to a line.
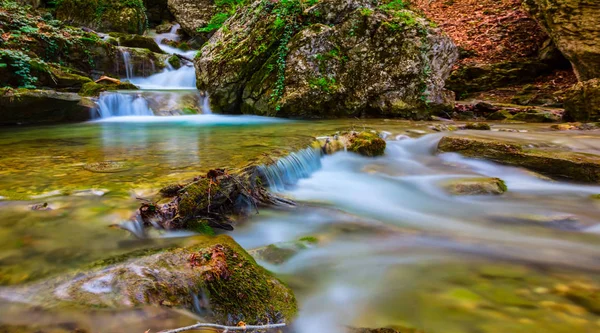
[392, 248]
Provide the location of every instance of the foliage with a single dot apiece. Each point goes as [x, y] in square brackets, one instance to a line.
[395, 5]
[215, 22]
[325, 84]
[225, 8]
[21, 65]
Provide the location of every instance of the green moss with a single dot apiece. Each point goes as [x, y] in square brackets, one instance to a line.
[478, 126]
[92, 89]
[309, 239]
[367, 144]
[174, 61]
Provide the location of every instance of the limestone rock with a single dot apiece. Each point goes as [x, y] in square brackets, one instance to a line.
[574, 26]
[193, 14]
[582, 102]
[25, 106]
[340, 58]
[137, 41]
[475, 186]
[552, 163]
[364, 143]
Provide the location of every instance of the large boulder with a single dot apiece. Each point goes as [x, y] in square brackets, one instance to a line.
[192, 14]
[574, 26]
[105, 15]
[23, 106]
[582, 101]
[211, 275]
[336, 58]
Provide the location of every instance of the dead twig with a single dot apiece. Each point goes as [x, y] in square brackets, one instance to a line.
[224, 328]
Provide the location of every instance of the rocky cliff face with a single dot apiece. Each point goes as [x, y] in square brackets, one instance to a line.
[574, 26]
[192, 14]
[105, 15]
[336, 58]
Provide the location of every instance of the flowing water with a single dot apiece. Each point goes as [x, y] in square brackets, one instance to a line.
[373, 242]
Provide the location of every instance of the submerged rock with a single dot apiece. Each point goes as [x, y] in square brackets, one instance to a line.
[478, 126]
[536, 117]
[582, 102]
[336, 58]
[475, 186]
[574, 26]
[557, 164]
[104, 15]
[212, 275]
[23, 106]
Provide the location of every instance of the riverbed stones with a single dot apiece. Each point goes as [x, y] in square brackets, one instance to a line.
[475, 186]
[574, 26]
[365, 143]
[552, 163]
[214, 275]
[340, 59]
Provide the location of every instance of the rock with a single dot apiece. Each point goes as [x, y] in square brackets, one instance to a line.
[164, 28]
[193, 15]
[536, 117]
[574, 26]
[551, 55]
[478, 126]
[23, 106]
[552, 163]
[357, 59]
[485, 107]
[93, 89]
[567, 222]
[482, 77]
[210, 274]
[363, 143]
[157, 12]
[582, 101]
[174, 61]
[137, 41]
[475, 186]
[107, 167]
[104, 15]
[143, 62]
[395, 329]
[500, 115]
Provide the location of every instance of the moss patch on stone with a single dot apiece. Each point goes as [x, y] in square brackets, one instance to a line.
[475, 186]
[366, 144]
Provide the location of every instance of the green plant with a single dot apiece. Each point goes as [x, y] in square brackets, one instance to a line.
[394, 5]
[326, 84]
[215, 22]
[21, 65]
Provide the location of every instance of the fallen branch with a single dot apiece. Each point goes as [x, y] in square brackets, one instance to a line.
[224, 328]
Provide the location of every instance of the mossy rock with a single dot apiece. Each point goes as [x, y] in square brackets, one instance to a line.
[582, 101]
[107, 167]
[174, 61]
[500, 115]
[104, 15]
[536, 117]
[475, 186]
[552, 163]
[93, 89]
[478, 126]
[367, 144]
[137, 41]
[217, 268]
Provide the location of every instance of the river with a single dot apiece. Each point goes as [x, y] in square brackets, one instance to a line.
[373, 242]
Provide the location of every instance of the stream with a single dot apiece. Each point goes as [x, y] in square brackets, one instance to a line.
[373, 242]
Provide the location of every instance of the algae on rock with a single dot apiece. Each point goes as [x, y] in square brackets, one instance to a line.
[335, 58]
[105, 15]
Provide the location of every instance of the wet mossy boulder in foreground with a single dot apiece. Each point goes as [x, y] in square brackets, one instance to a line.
[24, 106]
[574, 26]
[333, 59]
[552, 163]
[582, 102]
[213, 270]
[93, 89]
[475, 186]
[104, 15]
[363, 143]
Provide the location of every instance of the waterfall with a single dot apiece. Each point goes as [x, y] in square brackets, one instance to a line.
[205, 104]
[288, 170]
[128, 64]
[122, 104]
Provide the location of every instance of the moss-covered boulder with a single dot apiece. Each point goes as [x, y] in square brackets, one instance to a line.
[582, 101]
[93, 89]
[478, 126]
[174, 61]
[24, 106]
[335, 58]
[364, 143]
[535, 116]
[142, 62]
[104, 15]
[574, 26]
[482, 77]
[210, 274]
[193, 15]
[474, 186]
[137, 41]
[552, 163]
[500, 115]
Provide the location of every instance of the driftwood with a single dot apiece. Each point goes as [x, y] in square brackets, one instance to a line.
[104, 78]
[182, 57]
[211, 200]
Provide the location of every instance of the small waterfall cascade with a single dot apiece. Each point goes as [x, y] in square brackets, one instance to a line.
[205, 104]
[128, 64]
[287, 171]
[112, 104]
